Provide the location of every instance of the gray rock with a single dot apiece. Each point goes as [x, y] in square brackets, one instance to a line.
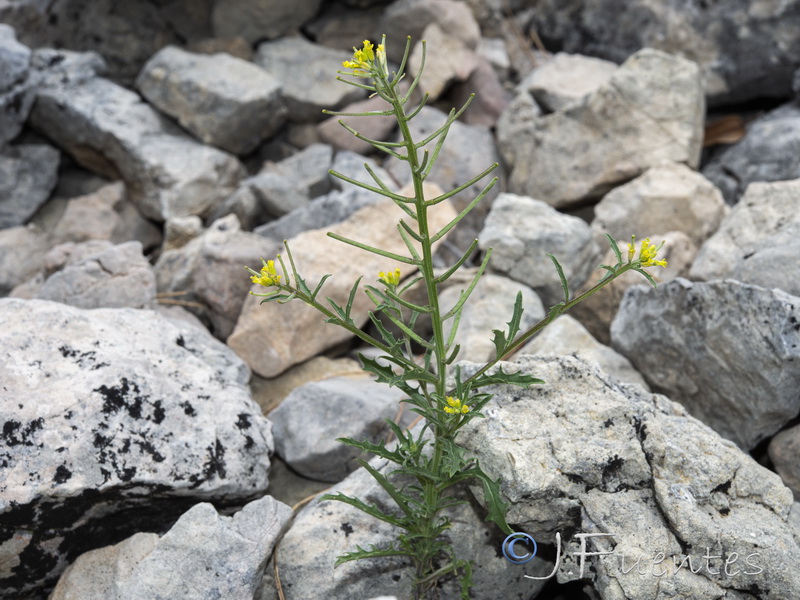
[411, 17]
[262, 19]
[224, 101]
[204, 555]
[667, 197]
[468, 151]
[375, 127]
[321, 213]
[16, 85]
[489, 307]
[116, 421]
[757, 240]
[307, 73]
[586, 454]
[517, 120]
[733, 42]
[351, 165]
[723, 349]
[490, 103]
[566, 78]
[208, 272]
[769, 151]
[21, 252]
[117, 277]
[281, 187]
[308, 422]
[27, 176]
[521, 232]
[179, 231]
[650, 110]
[168, 173]
[447, 61]
[784, 451]
[329, 529]
[566, 336]
[106, 214]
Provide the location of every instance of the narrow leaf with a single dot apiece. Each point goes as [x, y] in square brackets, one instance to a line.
[561, 276]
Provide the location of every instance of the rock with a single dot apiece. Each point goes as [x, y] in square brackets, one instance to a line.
[517, 120]
[105, 214]
[768, 152]
[566, 78]
[596, 312]
[723, 349]
[322, 213]
[521, 231]
[337, 25]
[489, 104]
[168, 174]
[731, 42]
[27, 176]
[650, 110]
[586, 454]
[566, 336]
[784, 449]
[376, 128]
[262, 19]
[468, 151]
[489, 307]
[209, 273]
[115, 278]
[309, 421]
[21, 251]
[269, 393]
[280, 188]
[666, 197]
[16, 85]
[179, 231]
[222, 100]
[755, 241]
[411, 17]
[307, 73]
[203, 555]
[272, 338]
[449, 60]
[115, 421]
[329, 529]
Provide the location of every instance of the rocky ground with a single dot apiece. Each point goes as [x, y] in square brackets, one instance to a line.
[160, 428]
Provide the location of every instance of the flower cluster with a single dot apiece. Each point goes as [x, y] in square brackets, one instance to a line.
[268, 275]
[363, 63]
[454, 406]
[392, 278]
[647, 253]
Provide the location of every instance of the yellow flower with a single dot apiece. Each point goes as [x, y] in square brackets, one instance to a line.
[268, 276]
[454, 406]
[363, 60]
[647, 253]
[392, 278]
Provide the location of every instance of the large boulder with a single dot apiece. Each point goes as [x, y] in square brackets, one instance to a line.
[115, 421]
[650, 110]
[584, 454]
[725, 350]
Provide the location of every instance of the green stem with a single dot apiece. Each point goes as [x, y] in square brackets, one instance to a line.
[520, 340]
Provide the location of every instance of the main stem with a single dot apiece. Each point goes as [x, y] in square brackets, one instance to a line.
[432, 492]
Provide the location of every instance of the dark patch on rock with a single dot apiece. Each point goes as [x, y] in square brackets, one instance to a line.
[14, 434]
[62, 474]
[723, 487]
[347, 529]
[188, 409]
[243, 421]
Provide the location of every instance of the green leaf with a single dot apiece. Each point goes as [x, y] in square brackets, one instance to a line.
[319, 286]
[500, 376]
[370, 509]
[397, 496]
[501, 340]
[373, 552]
[615, 248]
[453, 457]
[561, 276]
[491, 492]
[647, 276]
[378, 449]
